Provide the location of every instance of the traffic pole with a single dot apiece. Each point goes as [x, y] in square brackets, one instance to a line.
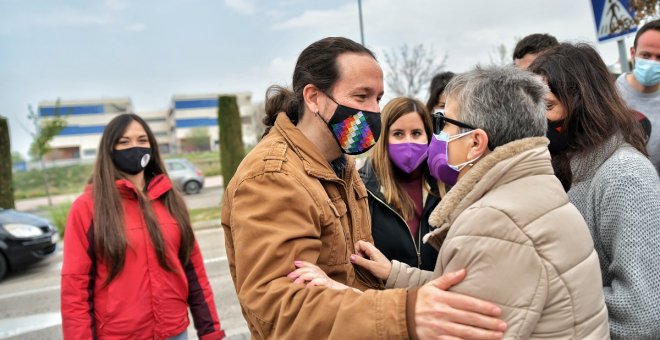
[623, 56]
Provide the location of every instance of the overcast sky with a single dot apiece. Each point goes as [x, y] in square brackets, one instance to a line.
[150, 50]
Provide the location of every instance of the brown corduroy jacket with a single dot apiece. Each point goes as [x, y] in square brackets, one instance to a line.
[286, 203]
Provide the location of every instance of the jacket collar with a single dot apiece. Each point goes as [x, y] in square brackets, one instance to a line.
[585, 164]
[372, 184]
[314, 162]
[370, 180]
[156, 188]
[507, 163]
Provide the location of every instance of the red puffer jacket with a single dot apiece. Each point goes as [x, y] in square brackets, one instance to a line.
[144, 301]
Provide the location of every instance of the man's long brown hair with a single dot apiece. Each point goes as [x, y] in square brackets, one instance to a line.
[109, 221]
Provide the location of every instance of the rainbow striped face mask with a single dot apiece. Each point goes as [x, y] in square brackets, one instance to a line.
[356, 131]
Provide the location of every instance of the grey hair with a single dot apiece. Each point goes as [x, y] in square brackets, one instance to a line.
[506, 102]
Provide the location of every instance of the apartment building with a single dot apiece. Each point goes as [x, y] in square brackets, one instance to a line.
[189, 119]
[196, 116]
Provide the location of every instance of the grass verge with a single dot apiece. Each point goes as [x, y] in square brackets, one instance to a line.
[204, 214]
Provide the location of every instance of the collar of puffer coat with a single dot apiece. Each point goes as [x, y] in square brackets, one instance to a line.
[499, 167]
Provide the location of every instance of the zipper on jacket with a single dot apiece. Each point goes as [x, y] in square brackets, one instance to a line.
[417, 245]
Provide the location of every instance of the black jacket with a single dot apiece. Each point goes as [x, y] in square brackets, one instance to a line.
[390, 231]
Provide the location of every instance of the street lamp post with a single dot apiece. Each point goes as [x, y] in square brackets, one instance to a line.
[361, 26]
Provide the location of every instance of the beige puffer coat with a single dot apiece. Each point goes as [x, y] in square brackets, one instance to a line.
[526, 248]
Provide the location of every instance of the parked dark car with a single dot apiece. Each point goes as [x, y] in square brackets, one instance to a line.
[24, 240]
[185, 176]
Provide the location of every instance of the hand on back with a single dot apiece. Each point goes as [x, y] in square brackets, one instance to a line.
[440, 314]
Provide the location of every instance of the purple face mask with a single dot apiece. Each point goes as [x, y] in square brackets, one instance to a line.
[407, 156]
[438, 160]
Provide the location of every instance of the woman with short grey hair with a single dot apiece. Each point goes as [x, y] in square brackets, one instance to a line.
[506, 219]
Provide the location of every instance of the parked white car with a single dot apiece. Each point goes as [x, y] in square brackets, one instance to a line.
[184, 175]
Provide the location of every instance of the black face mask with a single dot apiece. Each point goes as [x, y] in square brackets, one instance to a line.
[132, 160]
[356, 131]
[558, 138]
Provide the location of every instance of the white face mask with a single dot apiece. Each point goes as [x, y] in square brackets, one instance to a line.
[459, 167]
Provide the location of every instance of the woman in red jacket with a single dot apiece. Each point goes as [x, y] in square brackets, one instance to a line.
[131, 265]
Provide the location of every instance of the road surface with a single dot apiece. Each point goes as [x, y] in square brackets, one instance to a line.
[30, 299]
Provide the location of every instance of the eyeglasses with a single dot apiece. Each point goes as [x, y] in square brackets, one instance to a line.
[439, 122]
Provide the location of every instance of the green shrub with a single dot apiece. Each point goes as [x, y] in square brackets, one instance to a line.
[72, 179]
[6, 185]
[58, 214]
[63, 180]
[204, 214]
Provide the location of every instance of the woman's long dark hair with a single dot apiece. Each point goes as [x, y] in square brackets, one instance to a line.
[317, 65]
[438, 84]
[109, 224]
[595, 112]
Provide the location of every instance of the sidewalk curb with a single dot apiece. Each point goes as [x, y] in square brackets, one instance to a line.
[202, 225]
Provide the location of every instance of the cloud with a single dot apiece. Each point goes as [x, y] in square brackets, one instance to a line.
[60, 17]
[258, 78]
[320, 18]
[241, 6]
[75, 18]
[137, 27]
[116, 5]
[275, 14]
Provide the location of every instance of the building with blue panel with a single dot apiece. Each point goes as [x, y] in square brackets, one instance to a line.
[197, 115]
[177, 129]
[86, 120]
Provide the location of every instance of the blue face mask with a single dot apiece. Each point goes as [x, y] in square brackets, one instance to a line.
[647, 72]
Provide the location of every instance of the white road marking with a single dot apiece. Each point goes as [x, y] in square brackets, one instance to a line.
[29, 292]
[216, 259]
[57, 287]
[25, 324]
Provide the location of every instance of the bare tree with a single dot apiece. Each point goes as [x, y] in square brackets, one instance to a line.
[644, 10]
[198, 139]
[411, 69]
[500, 55]
[45, 131]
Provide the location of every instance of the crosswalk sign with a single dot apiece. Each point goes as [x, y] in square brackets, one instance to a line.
[613, 18]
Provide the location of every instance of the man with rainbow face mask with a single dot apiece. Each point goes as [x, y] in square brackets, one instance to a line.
[641, 88]
[297, 197]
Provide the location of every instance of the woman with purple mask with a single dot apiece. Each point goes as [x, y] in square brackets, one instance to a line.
[402, 194]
